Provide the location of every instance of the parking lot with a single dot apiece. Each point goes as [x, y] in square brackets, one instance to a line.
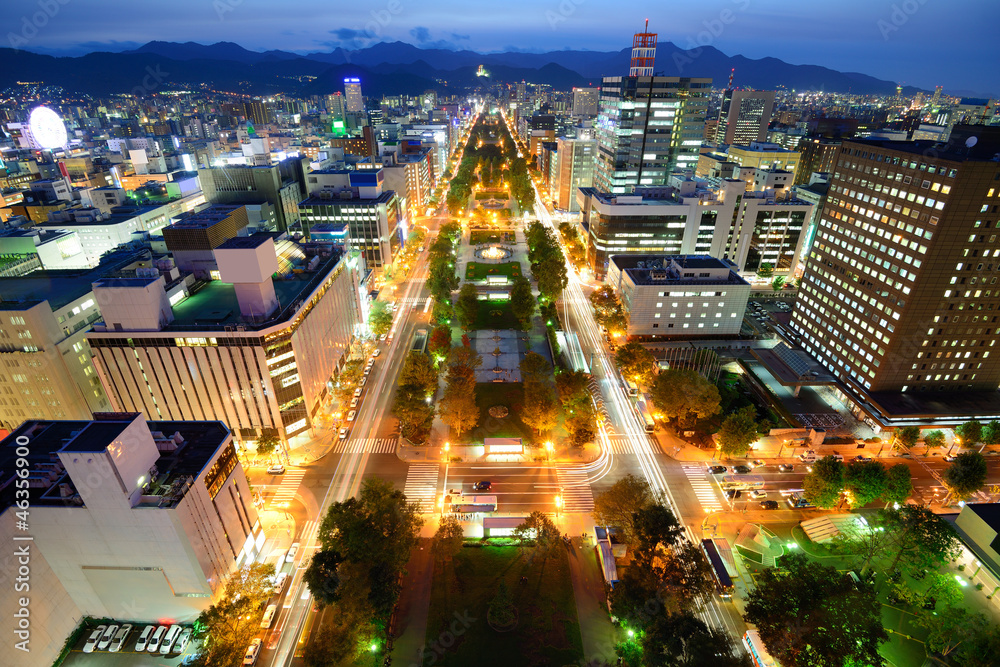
[127, 656]
[766, 317]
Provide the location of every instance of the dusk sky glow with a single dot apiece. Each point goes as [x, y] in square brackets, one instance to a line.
[918, 42]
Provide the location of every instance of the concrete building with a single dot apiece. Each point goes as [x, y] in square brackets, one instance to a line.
[375, 222]
[257, 349]
[898, 291]
[47, 370]
[353, 100]
[129, 520]
[281, 185]
[679, 296]
[764, 156]
[51, 249]
[767, 230]
[818, 154]
[575, 170]
[647, 128]
[408, 170]
[585, 102]
[744, 116]
[192, 240]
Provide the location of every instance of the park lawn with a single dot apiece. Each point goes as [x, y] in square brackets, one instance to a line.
[478, 237]
[495, 315]
[492, 194]
[547, 633]
[508, 394]
[478, 271]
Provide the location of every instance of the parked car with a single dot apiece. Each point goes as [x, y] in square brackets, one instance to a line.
[482, 486]
[279, 581]
[808, 457]
[105, 641]
[343, 433]
[154, 642]
[292, 550]
[860, 458]
[355, 401]
[250, 657]
[276, 470]
[769, 504]
[94, 637]
[757, 463]
[147, 632]
[268, 617]
[949, 458]
[742, 470]
[376, 353]
[182, 641]
[351, 415]
[786, 467]
[358, 391]
[381, 338]
[120, 637]
[169, 639]
[757, 494]
[717, 470]
[836, 457]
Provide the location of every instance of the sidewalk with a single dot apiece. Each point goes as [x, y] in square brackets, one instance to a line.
[598, 633]
[410, 625]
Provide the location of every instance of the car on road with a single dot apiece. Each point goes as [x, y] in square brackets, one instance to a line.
[120, 637]
[733, 494]
[482, 486]
[343, 433]
[94, 637]
[757, 463]
[354, 402]
[279, 581]
[382, 338]
[351, 415]
[949, 458]
[757, 494]
[861, 459]
[105, 640]
[292, 550]
[250, 656]
[376, 353]
[716, 470]
[836, 457]
[276, 470]
[786, 467]
[769, 504]
[808, 457]
[358, 392]
[268, 618]
[742, 470]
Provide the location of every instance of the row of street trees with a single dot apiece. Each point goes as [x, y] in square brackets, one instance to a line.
[365, 543]
[608, 310]
[442, 279]
[415, 387]
[458, 405]
[577, 252]
[548, 265]
[969, 434]
[832, 482]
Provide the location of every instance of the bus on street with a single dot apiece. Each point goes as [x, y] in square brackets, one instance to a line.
[474, 504]
[741, 482]
[645, 416]
[723, 583]
[759, 654]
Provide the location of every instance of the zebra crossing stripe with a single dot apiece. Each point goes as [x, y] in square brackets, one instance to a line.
[363, 446]
[704, 490]
[421, 485]
[289, 486]
[577, 495]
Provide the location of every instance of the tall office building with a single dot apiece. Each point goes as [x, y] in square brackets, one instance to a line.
[900, 292]
[585, 101]
[335, 105]
[647, 128]
[744, 116]
[257, 113]
[355, 103]
[281, 185]
[575, 170]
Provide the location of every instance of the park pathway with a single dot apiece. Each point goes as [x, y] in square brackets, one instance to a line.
[598, 633]
[413, 607]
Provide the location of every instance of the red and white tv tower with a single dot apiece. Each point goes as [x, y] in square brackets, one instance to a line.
[643, 53]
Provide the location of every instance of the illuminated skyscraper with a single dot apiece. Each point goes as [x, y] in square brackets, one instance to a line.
[352, 93]
[744, 116]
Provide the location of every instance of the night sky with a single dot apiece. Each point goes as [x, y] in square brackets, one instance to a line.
[919, 42]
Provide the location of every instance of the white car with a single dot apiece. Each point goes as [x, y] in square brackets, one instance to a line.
[120, 637]
[279, 581]
[268, 618]
[758, 494]
[250, 656]
[376, 353]
[147, 632]
[182, 641]
[292, 550]
[382, 338]
[276, 470]
[154, 642]
[105, 641]
[343, 433]
[354, 402]
[169, 639]
[94, 637]
[351, 415]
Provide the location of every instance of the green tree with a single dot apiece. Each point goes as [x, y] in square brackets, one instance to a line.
[522, 302]
[380, 318]
[898, 484]
[573, 387]
[266, 444]
[501, 613]
[823, 484]
[414, 412]
[538, 529]
[551, 277]
[765, 271]
[581, 423]
[636, 363]
[439, 343]
[991, 433]
[738, 432]
[966, 475]
[684, 395]
[778, 283]
[234, 620]
[322, 576]
[684, 640]
[908, 436]
[467, 306]
[618, 505]
[934, 439]
[921, 539]
[535, 368]
[810, 615]
[539, 410]
[336, 644]
[418, 371]
[443, 311]
[866, 482]
[971, 432]
[449, 538]
[459, 410]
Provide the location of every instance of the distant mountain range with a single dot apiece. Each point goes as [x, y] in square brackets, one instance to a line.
[396, 68]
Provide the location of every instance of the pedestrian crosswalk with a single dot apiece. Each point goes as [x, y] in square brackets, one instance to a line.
[307, 529]
[704, 489]
[576, 493]
[289, 486]
[363, 446]
[621, 444]
[421, 486]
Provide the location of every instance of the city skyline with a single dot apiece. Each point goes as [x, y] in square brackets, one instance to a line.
[889, 42]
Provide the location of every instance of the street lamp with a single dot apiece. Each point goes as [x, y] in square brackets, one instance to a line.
[559, 502]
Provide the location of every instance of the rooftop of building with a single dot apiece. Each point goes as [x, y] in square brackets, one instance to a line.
[206, 217]
[665, 269]
[181, 456]
[60, 287]
[336, 200]
[980, 143]
[943, 407]
[242, 242]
